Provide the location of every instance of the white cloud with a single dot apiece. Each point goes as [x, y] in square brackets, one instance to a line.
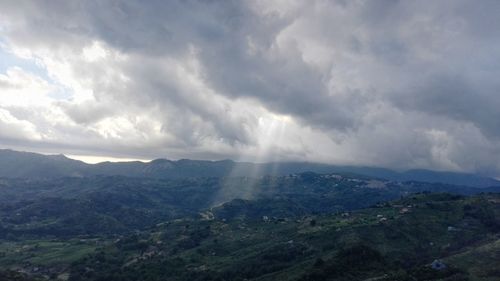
[401, 84]
[20, 88]
[12, 128]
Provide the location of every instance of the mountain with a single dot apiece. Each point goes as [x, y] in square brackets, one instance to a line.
[14, 164]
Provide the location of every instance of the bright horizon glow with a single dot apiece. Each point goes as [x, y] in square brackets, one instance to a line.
[89, 159]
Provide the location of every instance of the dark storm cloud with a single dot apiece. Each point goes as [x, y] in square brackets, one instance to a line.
[394, 83]
[221, 31]
[455, 98]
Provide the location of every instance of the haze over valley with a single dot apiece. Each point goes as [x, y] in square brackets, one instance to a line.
[249, 140]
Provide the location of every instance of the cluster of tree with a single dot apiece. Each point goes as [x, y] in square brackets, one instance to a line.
[309, 249]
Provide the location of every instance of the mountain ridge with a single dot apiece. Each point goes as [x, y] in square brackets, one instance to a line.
[17, 164]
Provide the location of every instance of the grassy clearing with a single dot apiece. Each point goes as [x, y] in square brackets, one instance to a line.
[480, 262]
[44, 252]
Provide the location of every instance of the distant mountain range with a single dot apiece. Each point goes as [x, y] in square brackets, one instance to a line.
[16, 164]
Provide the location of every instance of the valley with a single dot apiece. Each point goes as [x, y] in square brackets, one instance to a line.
[299, 226]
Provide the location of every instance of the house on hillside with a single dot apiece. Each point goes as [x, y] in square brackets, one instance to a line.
[438, 265]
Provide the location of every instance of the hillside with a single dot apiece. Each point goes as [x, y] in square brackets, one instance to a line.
[14, 164]
[393, 241]
[67, 207]
[299, 227]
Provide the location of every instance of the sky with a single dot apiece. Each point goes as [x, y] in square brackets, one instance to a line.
[398, 84]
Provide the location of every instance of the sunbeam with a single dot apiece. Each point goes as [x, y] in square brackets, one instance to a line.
[271, 131]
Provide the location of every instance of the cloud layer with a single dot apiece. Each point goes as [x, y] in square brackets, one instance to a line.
[401, 84]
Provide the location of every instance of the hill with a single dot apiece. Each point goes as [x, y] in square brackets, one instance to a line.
[298, 227]
[395, 241]
[112, 205]
[14, 164]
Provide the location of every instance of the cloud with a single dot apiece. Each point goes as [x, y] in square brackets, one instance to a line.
[402, 84]
[12, 128]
